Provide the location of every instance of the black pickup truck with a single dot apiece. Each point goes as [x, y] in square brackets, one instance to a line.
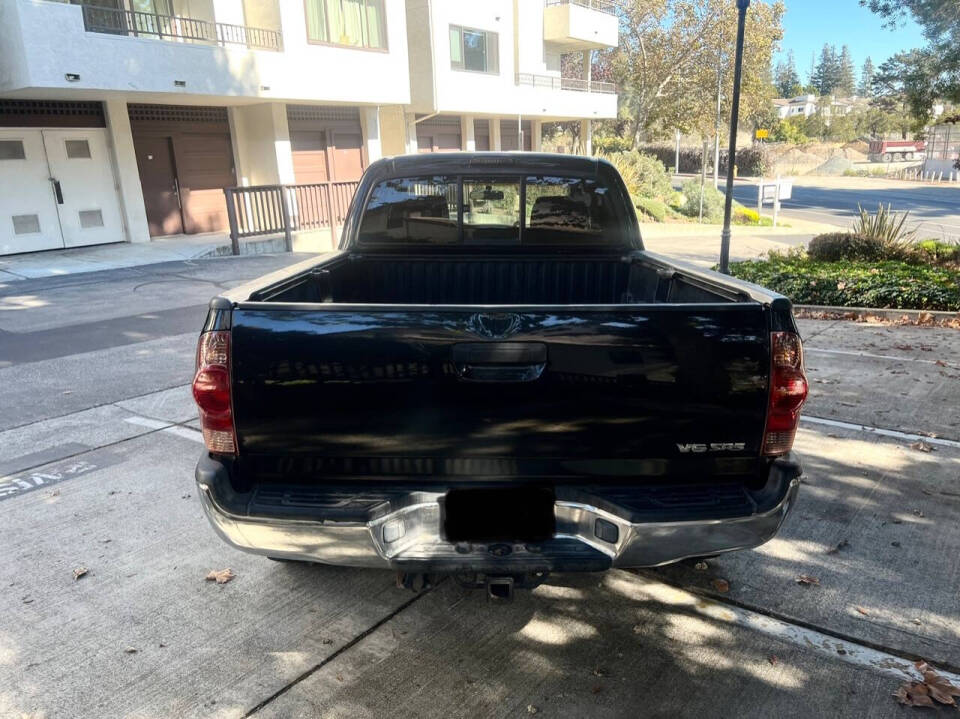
[493, 378]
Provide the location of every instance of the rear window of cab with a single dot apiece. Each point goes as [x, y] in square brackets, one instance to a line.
[490, 210]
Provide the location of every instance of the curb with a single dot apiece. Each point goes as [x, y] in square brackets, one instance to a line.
[894, 314]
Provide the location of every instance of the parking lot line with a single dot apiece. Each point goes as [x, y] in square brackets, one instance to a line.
[168, 427]
[884, 357]
[807, 638]
[882, 432]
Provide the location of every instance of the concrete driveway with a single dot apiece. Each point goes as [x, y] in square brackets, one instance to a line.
[98, 441]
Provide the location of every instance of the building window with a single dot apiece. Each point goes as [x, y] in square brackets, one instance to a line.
[476, 50]
[355, 23]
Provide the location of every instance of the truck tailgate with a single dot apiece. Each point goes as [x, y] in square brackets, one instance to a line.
[501, 392]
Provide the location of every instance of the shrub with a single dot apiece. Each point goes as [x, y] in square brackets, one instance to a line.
[651, 207]
[836, 246]
[746, 216]
[648, 176]
[891, 284]
[938, 251]
[610, 143]
[887, 226]
[713, 201]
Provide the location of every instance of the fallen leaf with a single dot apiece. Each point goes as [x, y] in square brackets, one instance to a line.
[599, 672]
[863, 611]
[701, 566]
[131, 650]
[637, 629]
[773, 660]
[597, 689]
[339, 677]
[79, 572]
[940, 363]
[906, 348]
[721, 585]
[531, 709]
[940, 689]
[807, 579]
[221, 576]
[921, 446]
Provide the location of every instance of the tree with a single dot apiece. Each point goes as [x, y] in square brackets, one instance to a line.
[826, 74]
[940, 20]
[874, 122]
[904, 87]
[865, 88]
[672, 54]
[846, 74]
[786, 78]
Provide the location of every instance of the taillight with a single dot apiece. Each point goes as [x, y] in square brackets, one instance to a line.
[211, 390]
[788, 392]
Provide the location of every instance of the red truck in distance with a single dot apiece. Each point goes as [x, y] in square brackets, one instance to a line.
[890, 150]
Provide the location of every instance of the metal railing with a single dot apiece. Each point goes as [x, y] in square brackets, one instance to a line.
[606, 6]
[552, 82]
[276, 209]
[179, 29]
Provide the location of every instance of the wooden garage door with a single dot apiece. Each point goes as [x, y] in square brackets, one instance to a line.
[204, 168]
[481, 134]
[508, 135]
[326, 143]
[439, 134]
[202, 162]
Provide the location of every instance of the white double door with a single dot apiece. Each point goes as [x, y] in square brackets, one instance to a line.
[58, 190]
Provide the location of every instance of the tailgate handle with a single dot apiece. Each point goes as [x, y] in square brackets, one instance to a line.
[499, 361]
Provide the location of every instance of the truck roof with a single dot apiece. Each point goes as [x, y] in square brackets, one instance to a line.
[478, 162]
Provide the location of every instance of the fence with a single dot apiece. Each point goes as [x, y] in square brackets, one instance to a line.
[177, 28]
[276, 209]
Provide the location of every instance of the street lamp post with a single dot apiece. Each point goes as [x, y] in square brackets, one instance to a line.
[742, 6]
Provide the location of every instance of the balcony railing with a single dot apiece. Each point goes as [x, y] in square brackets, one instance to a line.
[285, 209]
[552, 82]
[606, 6]
[178, 29]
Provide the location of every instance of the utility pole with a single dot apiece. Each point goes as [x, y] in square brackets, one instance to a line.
[716, 129]
[742, 6]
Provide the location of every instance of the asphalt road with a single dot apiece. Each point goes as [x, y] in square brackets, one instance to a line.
[934, 210]
[98, 440]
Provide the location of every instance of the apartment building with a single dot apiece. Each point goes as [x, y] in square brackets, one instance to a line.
[124, 120]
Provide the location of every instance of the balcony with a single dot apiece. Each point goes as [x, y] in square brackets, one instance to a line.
[178, 29]
[575, 25]
[552, 82]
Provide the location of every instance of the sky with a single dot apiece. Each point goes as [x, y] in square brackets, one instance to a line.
[811, 23]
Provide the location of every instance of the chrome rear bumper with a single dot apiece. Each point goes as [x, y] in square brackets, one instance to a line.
[588, 538]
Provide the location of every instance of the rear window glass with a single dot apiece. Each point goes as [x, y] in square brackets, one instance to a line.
[412, 210]
[478, 210]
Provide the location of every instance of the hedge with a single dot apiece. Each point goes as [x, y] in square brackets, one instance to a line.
[890, 284]
[750, 160]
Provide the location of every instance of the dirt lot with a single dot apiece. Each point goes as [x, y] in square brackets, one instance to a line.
[106, 484]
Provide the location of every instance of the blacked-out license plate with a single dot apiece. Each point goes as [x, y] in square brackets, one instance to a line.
[499, 514]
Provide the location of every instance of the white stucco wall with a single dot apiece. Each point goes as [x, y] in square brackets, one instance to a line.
[486, 94]
[579, 28]
[49, 40]
[261, 144]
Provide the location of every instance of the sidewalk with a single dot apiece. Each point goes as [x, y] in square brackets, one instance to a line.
[54, 263]
[700, 244]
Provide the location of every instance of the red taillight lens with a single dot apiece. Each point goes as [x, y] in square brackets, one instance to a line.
[788, 392]
[211, 391]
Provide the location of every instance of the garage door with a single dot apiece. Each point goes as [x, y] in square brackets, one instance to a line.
[57, 186]
[508, 135]
[58, 190]
[439, 134]
[185, 158]
[326, 143]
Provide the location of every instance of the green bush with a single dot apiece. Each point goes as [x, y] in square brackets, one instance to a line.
[648, 176]
[610, 143]
[746, 216]
[713, 201]
[651, 207]
[891, 284]
[835, 246]
[938, 251]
